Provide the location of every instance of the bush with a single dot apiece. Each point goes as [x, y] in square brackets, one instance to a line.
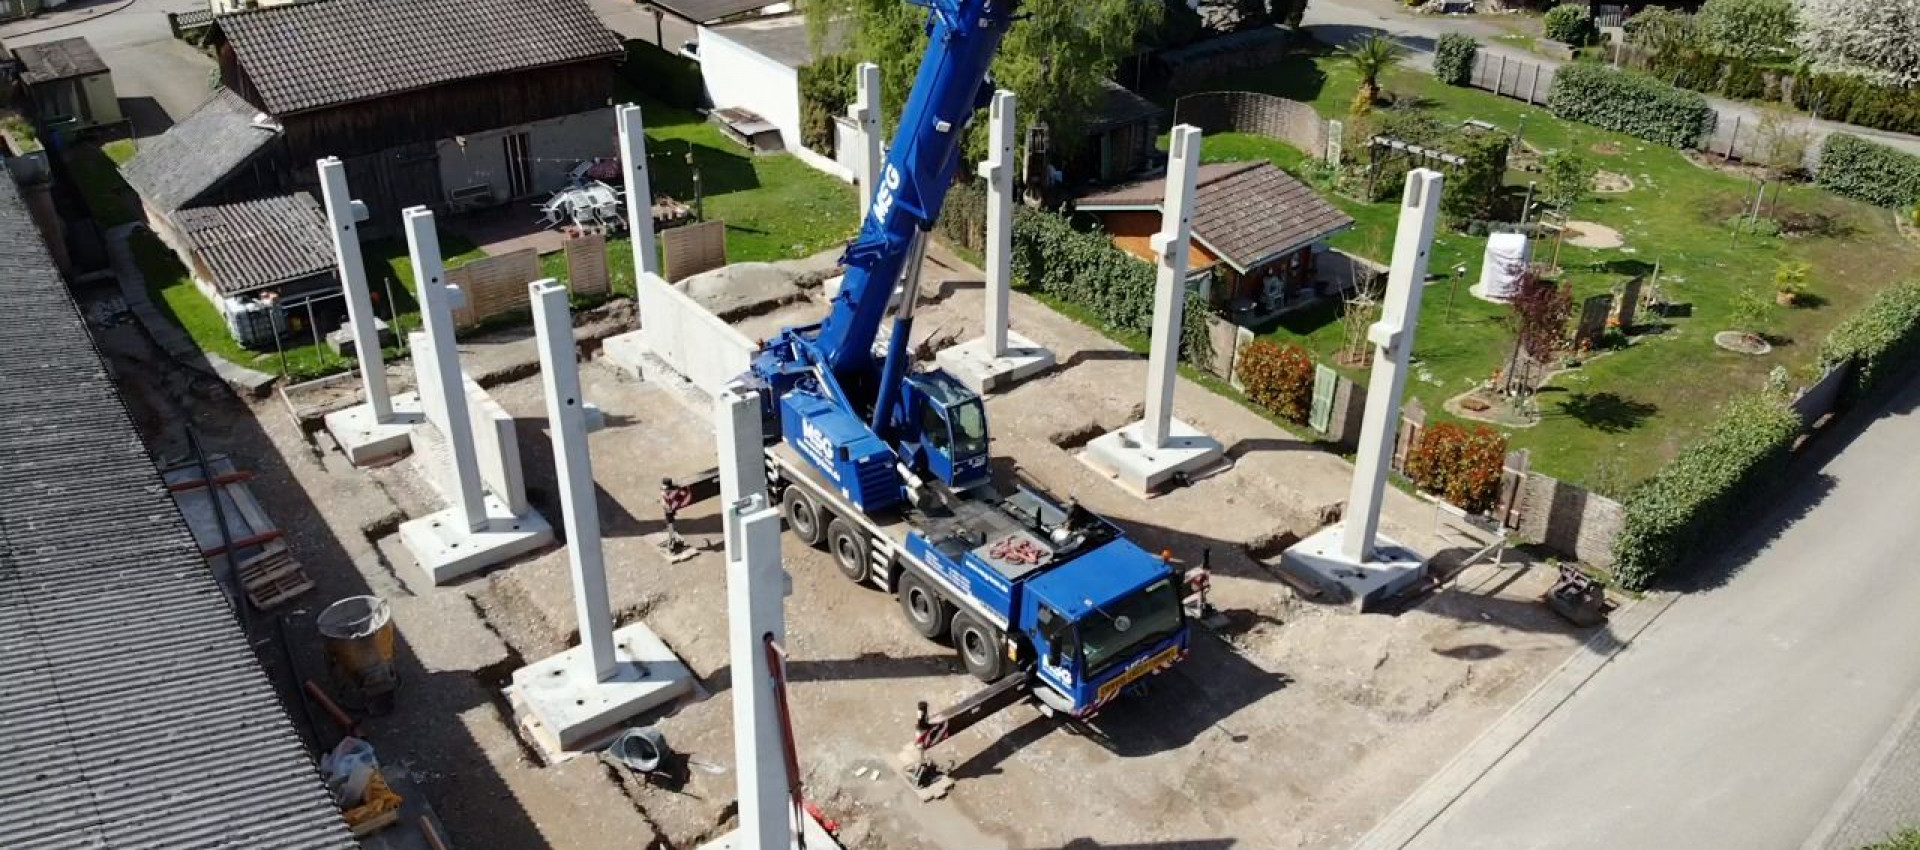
[675, 80]
[1631, 103]
[963, 218]
[1686, 511]
[1460, 466]
[1278, 377]
[1856, 100]
[826, 89]
[1869, 171]
[1878, 341]
[1084, 269]
[1472, 189]
[1453, 58]
[1572, 23]
[1747, 28]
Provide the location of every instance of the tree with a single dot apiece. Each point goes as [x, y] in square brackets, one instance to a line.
[1662, 30]
[1473, 188]
[1781, 142]
[1571, 23]
[1569, 177]
[1056, 58]
[1371, 57]
[1540, 312]
[1873, 38]
[1747, 28]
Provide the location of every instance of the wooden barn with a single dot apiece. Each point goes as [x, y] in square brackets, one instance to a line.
[453, 104]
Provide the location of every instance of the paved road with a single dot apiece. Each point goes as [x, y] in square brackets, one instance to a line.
[1771, 710]
[159, 79]
[1337, 21]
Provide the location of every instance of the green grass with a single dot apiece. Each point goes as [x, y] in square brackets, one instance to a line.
[119, 150]
[181, 302]
[1621, 416]
[22, 131]
[97, 176]
[1906, 839]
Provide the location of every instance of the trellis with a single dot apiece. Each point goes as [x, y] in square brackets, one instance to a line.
[1383, 151]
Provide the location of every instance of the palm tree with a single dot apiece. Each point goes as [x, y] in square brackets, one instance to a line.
[1372, 55]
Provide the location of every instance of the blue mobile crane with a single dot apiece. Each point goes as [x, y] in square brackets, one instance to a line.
[888, 469]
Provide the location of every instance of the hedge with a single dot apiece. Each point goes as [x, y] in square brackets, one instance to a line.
[675, 80]
[1085, 269]
[1461, 466]
[1855, 100]
[1869, 171]
[826, 88]
[1877, 341]
[1687, 511]
[1278, 377]
[1453, 59]
[1571, 23]
[1631, 103]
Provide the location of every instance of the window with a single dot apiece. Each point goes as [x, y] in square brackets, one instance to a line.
[933, 429]
[969, 429]
[1110, 634]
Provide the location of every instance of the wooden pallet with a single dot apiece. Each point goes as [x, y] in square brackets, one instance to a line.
[273, 577]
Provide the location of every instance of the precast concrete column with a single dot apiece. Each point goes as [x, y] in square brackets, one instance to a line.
[437, 298]
[343, 218]
[1392, 337]
[1171, 244]
[998, 171]
[865, 113]
[633, 166]
[755, 596]
[579, 505]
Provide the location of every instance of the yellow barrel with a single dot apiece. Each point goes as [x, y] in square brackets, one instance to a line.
[358, 635]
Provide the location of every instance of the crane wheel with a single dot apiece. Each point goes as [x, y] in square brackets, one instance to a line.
[981, 647]
[926, 610]
[849, 550]
[803, 517]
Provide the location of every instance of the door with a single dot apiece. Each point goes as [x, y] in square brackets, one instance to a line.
[519, 165]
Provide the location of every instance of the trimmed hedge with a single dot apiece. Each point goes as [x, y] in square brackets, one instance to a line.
[1869, 171]
[1278, 377]
[1631, 103]
[1687, 510]
[1084, 268]
[1859, 101]
[1877, 341]
[674, 79]
[1453, 58]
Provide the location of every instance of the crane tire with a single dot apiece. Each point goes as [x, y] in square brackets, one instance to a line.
[925, 609]
[982, 648]
[803, 517]
[849, 550]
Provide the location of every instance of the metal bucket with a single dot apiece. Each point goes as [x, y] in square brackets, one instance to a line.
[358, 635]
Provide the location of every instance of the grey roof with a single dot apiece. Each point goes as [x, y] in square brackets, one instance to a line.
[310, 55]
[175, 168]
[134, 713]
[783, 39]
[1119, 107]
[708, 11]
[1245, 212]
[58, 60]
[260, 243]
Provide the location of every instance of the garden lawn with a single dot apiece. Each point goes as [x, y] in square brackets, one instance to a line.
[1624, 414]
[96, 173]
[179, 300]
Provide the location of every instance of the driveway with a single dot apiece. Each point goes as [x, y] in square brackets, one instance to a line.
[1774, 710]
[158, 78]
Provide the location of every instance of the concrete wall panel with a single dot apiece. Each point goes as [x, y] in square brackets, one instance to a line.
[690, 340]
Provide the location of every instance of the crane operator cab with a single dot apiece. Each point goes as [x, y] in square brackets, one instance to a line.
[943, 427]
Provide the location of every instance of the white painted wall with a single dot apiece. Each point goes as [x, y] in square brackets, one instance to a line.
[692, 341]
[737, 76]
[555, 144]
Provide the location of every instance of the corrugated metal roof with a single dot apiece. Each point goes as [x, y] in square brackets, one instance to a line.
[58, 60]
[132, 711]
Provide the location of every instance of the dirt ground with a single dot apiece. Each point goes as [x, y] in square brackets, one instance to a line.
[1297, 725]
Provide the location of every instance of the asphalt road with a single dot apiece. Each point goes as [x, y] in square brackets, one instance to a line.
[1775, 710]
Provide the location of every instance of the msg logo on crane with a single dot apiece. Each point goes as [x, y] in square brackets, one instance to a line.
[883, 199]
[815, 442]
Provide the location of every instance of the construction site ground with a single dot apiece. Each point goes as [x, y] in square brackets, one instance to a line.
[1295, 725]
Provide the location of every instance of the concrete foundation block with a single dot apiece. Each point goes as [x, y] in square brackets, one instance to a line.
[1317, 559]
[446, 549]
[983, 373]
[564, 698]
[816, 837]
[627, 352]
[1124, 457]
[364, 441]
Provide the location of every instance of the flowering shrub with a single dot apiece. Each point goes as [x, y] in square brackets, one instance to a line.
[1278, 377]
[1458, 465]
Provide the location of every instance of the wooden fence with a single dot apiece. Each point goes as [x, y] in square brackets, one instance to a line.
[494, 286]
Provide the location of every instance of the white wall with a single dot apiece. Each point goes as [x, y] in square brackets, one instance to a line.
[737, 76]
[691, 340]
[556, 145]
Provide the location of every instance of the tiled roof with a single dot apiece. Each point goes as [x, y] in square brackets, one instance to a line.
[133, 713]
[310, 55]
[58, 60]
[1246, 212]
[175, 168]
[261, 243]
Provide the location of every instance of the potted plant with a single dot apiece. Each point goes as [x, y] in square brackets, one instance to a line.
[1789, 283]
